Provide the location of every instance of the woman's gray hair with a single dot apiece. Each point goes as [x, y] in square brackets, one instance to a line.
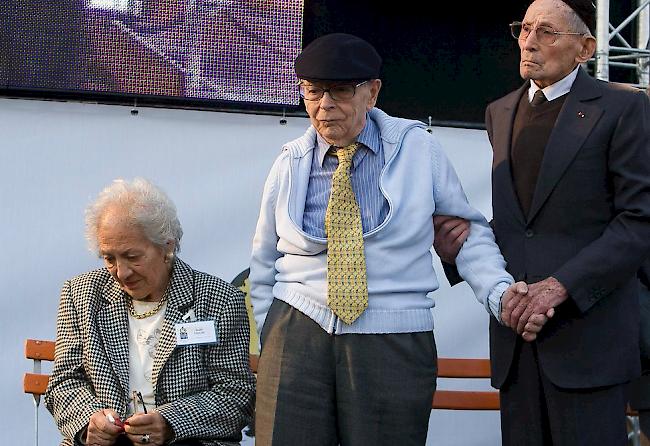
[144, 204]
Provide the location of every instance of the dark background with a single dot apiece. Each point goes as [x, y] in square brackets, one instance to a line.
[445, 60]
[447, 63]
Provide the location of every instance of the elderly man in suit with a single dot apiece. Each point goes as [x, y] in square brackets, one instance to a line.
[571, 214]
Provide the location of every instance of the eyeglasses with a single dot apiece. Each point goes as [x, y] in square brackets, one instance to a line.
[137, 397]
[545, 35]
[340, 92]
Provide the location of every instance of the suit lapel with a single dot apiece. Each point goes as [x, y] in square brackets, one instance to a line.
[574, 123]
[502, 138]
[180, 298]
[113, 324]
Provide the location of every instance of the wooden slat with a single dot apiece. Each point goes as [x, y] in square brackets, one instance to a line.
[443, 399]
[463, 368]
[37, 349]
[464, 400]
[252, 361]
[35, 384]
[631, 412]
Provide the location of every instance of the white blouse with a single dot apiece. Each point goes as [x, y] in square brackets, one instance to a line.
[144, 335]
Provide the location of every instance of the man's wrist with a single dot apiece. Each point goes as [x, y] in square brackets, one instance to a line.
[494, 300]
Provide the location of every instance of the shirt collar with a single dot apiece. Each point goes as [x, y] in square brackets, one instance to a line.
[369, 138]
[554, 91]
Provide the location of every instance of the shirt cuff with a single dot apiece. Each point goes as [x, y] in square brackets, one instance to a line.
[494, 300]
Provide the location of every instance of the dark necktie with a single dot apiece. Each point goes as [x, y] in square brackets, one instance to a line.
[538, 98]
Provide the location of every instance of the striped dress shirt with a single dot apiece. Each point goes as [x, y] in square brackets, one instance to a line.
[367, 164]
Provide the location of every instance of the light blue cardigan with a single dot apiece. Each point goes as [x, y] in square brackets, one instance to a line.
[418, 181]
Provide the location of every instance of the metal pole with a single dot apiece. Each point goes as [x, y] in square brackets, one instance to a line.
[641, 6]
[36, 402]
[602, 39]
[635, 431]
[643, 41]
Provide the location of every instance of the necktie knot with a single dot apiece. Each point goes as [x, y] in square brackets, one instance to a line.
[345, 154]
[538, 98]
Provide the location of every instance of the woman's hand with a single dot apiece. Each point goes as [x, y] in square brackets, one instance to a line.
[149, 429]
[102, 432]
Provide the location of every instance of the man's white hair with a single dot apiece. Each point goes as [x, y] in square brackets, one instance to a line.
[575, 22]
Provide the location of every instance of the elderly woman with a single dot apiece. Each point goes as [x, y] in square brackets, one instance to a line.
[148, 350]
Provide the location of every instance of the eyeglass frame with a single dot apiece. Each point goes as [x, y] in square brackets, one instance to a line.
[137, 396]
[554, 32]
[327, 90]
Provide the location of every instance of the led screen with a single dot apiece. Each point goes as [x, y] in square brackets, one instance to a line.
[226, 50]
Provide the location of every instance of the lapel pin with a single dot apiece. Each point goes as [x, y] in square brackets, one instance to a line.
[581, 114]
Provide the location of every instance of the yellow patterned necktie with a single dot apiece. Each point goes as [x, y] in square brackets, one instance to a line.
[347, 289]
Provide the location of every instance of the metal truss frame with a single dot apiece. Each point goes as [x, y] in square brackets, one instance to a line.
[612, 48]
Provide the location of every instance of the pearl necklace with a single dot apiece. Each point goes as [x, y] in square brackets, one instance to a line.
[129, 304]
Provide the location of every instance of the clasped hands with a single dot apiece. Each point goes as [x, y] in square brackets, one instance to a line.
[524, 308]
[527, 308]
[151, 426]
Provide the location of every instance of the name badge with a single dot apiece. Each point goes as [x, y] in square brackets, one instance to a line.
[193, 333]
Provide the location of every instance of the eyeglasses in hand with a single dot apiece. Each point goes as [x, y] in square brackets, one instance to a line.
[137, 397]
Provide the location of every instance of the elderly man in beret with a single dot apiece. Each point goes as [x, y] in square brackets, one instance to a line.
[571, 214]
[341, 264]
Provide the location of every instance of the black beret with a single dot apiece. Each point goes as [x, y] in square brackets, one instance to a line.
[586, 11]
[338, 57]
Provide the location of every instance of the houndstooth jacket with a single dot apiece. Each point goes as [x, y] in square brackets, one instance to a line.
[203, 391]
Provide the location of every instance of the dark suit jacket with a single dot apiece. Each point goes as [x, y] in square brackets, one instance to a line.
[588, 226]
[204, 392]
[644, 274]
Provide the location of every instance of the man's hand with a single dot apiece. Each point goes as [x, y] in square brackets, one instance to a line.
[101, 431]
[449, 234]
[513, 298]
[535, 324]
[544, 296]
[151, 426]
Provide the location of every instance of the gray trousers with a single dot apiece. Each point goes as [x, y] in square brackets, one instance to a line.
[318, 389]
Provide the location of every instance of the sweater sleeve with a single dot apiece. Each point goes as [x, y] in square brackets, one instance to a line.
[264, 251]
[479, 261]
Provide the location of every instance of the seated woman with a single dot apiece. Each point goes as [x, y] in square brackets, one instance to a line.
[148, 324]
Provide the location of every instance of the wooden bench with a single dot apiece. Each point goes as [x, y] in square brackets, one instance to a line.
[463, 399]
[40, 350]
[35, 382]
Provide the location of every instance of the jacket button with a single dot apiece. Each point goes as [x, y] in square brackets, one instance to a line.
[529, 233]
